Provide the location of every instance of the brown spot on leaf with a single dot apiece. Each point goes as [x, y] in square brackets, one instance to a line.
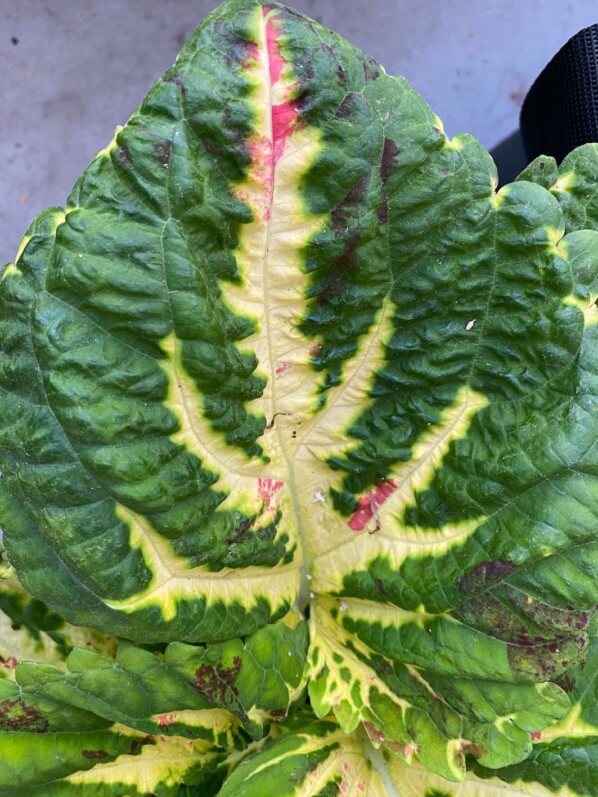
[345, 109]
[472, 748]
[237, 49]
[16, 715]
[277, 714]
[375, 735]
[566, 681]
[544, 660]
[177, 81]
[389, 159]
[350, 205]
[337, 282]
[378, 738]
[123, 156]
[240, 532]
[345, 221]
[484, 574]
[162, 150]
[371, 68]
[382, 210]
[217, 683]
[388, 162]
[95, 755]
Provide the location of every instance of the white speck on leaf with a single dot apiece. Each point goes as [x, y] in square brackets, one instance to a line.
[343, 606]
[470, 324]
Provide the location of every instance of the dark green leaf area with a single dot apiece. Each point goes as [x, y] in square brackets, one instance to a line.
[573, 183]
[70, 493]
[169, 180]
[563, 763]
[348, 261]
[533, 639]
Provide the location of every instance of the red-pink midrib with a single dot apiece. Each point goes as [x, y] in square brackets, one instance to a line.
[284, 115]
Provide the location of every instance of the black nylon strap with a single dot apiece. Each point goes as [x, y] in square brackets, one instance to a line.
[560, 111]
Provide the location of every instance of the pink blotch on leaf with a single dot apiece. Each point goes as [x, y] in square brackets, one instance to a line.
[166, 719]
[267, 489]
[282, 366]
[369, 503]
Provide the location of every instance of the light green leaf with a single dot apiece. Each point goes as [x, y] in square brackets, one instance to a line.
[562, 769]
[563, 761]
[286, 350]
[29, 631]
[175, 693]
[316, 760]
[109, 764]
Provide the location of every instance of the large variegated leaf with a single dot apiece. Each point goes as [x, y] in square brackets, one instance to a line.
[286, 347]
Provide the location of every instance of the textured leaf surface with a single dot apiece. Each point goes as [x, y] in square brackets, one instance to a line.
[175, 693]
[564, 759]
[573, 183]
[58, 735]
[286, 346]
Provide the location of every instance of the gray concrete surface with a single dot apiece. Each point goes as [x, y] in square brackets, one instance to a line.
[70, 70]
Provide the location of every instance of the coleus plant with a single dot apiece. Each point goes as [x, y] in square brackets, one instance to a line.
[301, 408]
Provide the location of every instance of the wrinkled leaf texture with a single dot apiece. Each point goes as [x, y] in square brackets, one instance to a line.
[287, 350]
